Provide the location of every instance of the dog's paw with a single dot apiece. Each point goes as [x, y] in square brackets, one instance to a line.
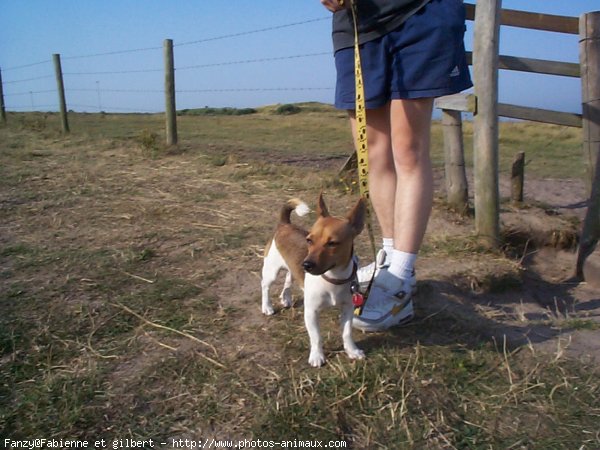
[316, 359]
[268, 310]
[355, 353]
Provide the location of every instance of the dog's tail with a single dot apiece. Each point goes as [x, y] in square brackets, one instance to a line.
[293, 204]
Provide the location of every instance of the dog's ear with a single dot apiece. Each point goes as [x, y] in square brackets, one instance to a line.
[322, 210]
[356, 217]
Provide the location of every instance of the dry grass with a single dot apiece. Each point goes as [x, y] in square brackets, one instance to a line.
[130, 303]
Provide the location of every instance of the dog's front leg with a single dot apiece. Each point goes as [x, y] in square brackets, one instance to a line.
[352, 350]
[311, 320]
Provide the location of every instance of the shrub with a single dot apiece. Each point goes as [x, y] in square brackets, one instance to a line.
[288, 109]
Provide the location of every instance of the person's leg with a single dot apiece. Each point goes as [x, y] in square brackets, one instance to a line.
[400, 173]
[389, 302]
[382, 171]
[410, 135]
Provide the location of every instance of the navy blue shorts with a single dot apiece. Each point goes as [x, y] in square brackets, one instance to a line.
[424, 57]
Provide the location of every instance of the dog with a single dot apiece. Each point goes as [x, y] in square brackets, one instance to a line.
[322, 262]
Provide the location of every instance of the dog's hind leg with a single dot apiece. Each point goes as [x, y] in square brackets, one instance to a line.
[272, 263]
[286, 293]
[268, 277]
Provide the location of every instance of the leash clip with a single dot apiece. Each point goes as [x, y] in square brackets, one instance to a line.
[358, 299]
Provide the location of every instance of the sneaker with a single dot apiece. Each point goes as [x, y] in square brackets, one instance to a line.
[366, 273]
[384, 308]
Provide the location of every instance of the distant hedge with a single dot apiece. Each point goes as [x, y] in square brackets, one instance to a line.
[206, 111]
[288, 109]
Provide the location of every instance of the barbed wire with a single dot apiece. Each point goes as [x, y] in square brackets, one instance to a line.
[248, 61]
[48, 61]
[114, 72]
[114, 108]
[29, 92]
[192, 91]
[245, 33]
[197, 66]
[27, 79]
[30, 107]
[111, 53]
[182, 91]
[139, 91]
[194, 42]
[153, 91]
[156, 70]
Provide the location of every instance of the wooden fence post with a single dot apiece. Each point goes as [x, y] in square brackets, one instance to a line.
[170, 110]
[485, 123]
[2, 108]
[457, 192]
[517, 178]
[61, 93]
[589, 56]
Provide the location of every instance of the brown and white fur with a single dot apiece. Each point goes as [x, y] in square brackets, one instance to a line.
[327, 249]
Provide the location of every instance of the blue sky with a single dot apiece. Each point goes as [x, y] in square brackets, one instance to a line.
[130, 76]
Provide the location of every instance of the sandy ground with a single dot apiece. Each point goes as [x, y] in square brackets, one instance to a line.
[548, 311]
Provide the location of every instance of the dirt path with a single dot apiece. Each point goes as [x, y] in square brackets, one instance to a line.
[544, 309]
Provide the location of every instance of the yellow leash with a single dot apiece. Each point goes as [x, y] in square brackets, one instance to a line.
[362, 151]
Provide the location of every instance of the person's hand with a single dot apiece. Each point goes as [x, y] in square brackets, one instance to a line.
[333, 5]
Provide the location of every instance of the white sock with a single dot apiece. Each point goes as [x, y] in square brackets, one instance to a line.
[388, 245]
[403, 264]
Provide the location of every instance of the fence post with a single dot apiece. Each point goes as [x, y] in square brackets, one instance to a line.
[485, 122]
[517, 178]
[170, 111]
[61, 93]
[457, 192]
[589, 57]
[2, 108]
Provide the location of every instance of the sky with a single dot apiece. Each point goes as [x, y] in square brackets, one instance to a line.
[236, 53]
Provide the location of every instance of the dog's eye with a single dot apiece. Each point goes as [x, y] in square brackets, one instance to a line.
[332, 244]
[309, 241]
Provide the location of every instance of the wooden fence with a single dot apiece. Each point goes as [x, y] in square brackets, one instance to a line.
[486, 61]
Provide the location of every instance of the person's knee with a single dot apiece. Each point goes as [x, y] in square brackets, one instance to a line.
[411, 154]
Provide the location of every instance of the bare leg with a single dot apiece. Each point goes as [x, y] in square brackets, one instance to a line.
[382, 173]
[410, 132]
[400, 174]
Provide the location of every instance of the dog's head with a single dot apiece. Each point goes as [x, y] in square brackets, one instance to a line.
[330, 240]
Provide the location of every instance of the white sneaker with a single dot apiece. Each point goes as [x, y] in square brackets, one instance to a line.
[385, 308]
[366, 273]
[381, 264]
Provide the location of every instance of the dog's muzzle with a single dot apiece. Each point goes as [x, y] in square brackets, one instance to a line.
[308, 266]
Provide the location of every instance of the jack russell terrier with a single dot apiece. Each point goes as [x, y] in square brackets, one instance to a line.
[322, 262]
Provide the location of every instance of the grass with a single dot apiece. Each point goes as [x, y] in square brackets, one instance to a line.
[130, 298]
